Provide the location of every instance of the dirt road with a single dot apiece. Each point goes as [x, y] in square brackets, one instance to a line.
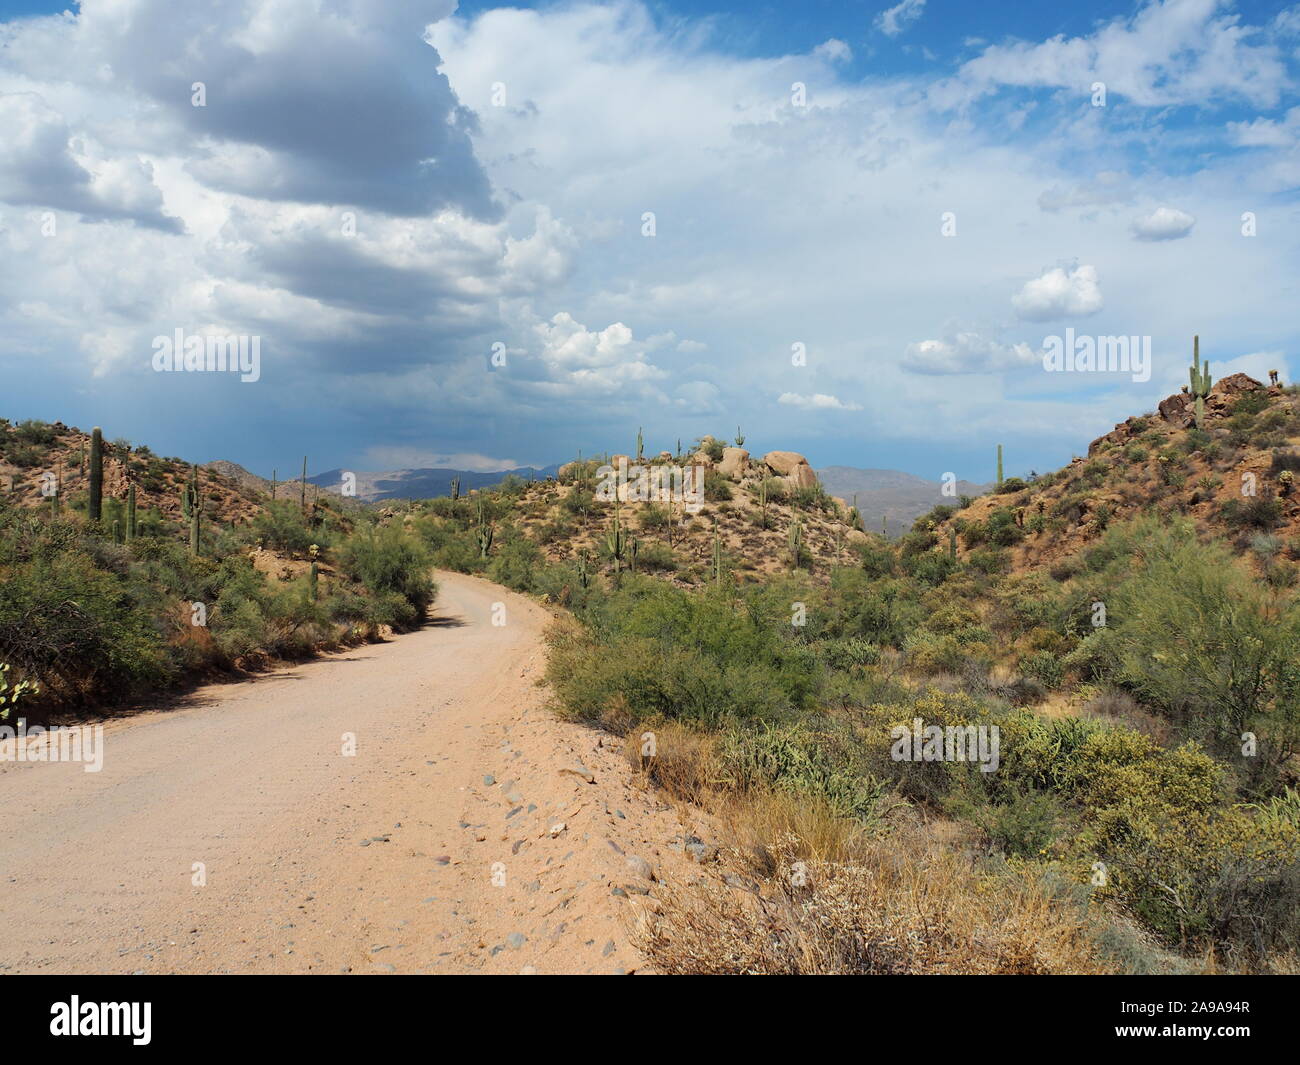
[235, 834]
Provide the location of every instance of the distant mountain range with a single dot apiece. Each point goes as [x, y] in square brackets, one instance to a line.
[423, 483]
[899, 498]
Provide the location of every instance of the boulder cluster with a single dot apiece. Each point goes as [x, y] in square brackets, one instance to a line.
[1179, 410]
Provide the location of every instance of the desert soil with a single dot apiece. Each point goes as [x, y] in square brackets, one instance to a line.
[454, 840]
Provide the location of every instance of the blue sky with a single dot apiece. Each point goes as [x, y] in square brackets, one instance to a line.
[916, 196]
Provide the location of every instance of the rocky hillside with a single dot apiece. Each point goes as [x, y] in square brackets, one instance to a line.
[31, 451]
[759, 514]
[1233, 474]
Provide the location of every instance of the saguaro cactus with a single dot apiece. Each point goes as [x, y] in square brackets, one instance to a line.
[455, 488]
[640, 444]
[273, 482]
[95, 506]
[740, 437]
[616, 540]
[717, 554]
[952, 542]
[796, 543]
[999, 465]
[130, 513]
[485, 532]
[303, 489]
[1200, 381]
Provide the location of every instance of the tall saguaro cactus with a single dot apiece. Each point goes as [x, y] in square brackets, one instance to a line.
[999, 465]
[796, 543]
[130, 513]
[95, 507]
[485, 532]
[616, 540]
[1200, 381]
[717, 554]
[303, 490]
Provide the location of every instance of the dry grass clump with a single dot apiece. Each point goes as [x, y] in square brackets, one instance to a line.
[683, 761]
[900, 906]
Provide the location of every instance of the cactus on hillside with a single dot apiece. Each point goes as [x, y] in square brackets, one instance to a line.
[486, 531]
[194, 497]
[616, 540]
[95, 505]
[796, 543]
[583, 566]
[273, 482]
[1200, 381]
[952, 542]
[455, 488]
[717, 554]
[131, 526]
[640, 444]
[999, 465]
[740, 437]
[303, 489]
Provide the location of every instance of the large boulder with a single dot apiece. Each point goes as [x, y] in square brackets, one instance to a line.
[1177, 410]
[800, 476]
[1235, 384]
[782, 462]
[734, 464]
[1225, 392]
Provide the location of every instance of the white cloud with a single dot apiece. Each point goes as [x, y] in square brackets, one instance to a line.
[1164, 223]
[1059, 293]
[1268, 133]
[776, 224]
[966, 353]
[816, 401]
[1172, 52]
[834, 50]
[894, 20]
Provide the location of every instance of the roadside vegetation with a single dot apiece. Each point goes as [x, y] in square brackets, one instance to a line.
[97, 610]
[1144, 815]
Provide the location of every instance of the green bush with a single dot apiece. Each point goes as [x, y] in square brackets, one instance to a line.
[391, 562]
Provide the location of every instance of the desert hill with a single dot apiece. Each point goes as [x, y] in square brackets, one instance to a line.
[1233, 475]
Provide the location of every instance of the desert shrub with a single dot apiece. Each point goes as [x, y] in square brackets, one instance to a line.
[71, 622]
[281, 526]
[653, 516]
[849, 653]
[805, 761]
[1012, 484]
[1285, 460]
[936, 516]
[394, 564]
[717, 489]
[1257, 512]
[876, 560]
[659, 652]
[36, 432]
[892, 911]
[515, 563]
[656, 558]
[1044, 666]
[1195, 636]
